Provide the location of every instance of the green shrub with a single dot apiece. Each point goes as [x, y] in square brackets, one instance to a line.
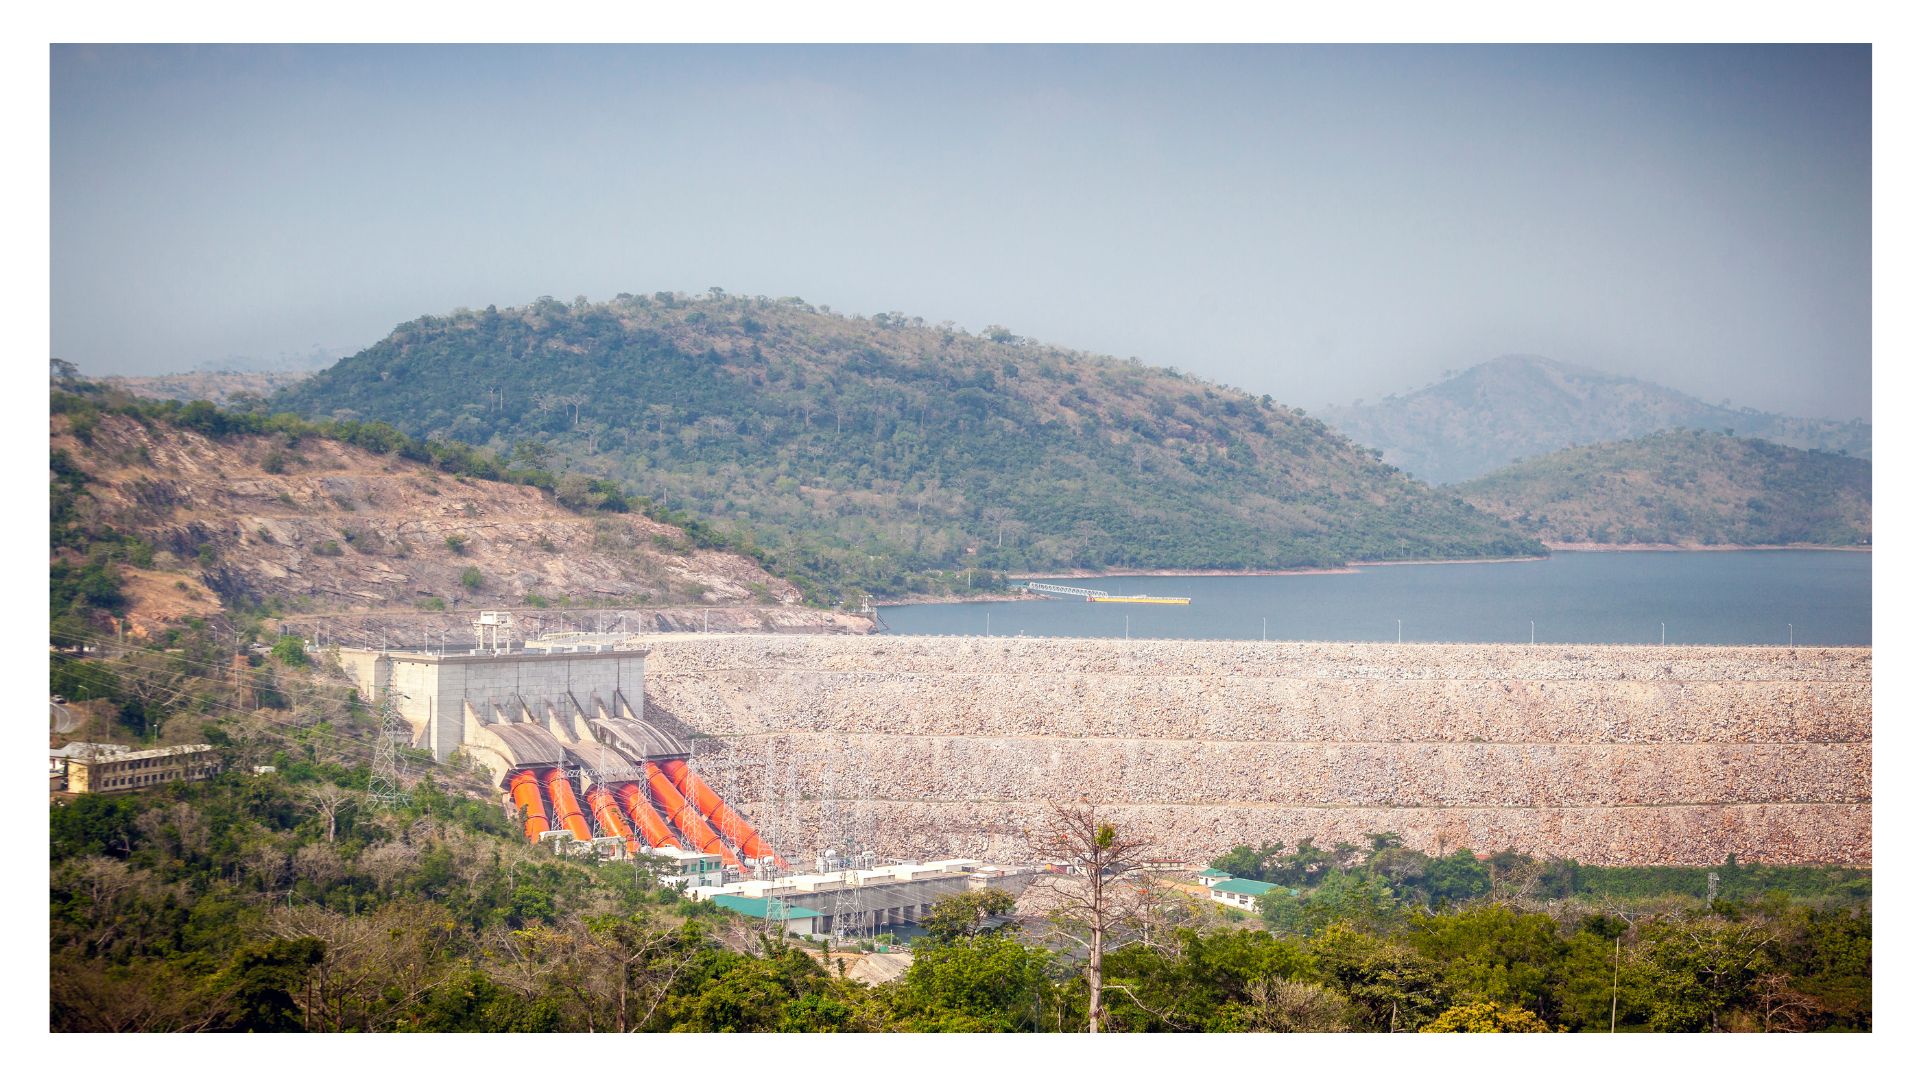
[290, 651]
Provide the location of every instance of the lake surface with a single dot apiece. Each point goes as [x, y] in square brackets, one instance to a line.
[1705, 598]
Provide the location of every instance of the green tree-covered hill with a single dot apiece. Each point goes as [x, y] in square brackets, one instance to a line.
[890, 455]
[1684, 487]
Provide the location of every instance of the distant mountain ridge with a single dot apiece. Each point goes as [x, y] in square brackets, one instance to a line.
[1516, 407]
[893, 456]
[222, 388]
[1684, 488]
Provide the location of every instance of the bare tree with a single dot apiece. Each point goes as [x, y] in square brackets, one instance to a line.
[998, 518]
[1277, 1004]
[1782, 1008]
[1092, 896]
[328, 801]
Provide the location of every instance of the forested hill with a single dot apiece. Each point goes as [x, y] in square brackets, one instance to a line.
[1685, 487]
[893, 455]
[1516, 407]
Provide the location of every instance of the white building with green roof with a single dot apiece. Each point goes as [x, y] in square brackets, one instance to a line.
[1239, 892]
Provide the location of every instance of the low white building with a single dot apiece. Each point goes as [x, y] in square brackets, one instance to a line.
[1242, 893]
[868, 900]
[691, 869]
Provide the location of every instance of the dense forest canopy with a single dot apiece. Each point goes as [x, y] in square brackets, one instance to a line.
[888, 455]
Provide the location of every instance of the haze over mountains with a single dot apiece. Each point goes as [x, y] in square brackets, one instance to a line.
[1517, 407]
[1684, 488]
[898, 456]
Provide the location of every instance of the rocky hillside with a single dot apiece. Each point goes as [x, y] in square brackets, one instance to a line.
[895, 456]
[1685, 488]
[311, 524]
[1516, 407]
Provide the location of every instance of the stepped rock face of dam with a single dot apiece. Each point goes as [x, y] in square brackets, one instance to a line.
[932, 746]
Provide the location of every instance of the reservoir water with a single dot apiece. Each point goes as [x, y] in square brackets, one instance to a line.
[1704, 598]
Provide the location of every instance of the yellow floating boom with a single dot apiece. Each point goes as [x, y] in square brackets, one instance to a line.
[1139, 599]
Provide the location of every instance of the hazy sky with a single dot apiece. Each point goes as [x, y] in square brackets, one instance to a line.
[1320, 224]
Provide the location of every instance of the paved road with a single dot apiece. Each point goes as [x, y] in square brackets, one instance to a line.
[63, 719]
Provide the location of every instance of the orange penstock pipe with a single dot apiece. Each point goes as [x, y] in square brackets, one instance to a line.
[652, 825]
[526, 795]
[565, 807]
[608, 815]
[684, 816]
[724, 818]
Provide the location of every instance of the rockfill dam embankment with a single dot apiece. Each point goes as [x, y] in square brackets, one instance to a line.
[1608, 754]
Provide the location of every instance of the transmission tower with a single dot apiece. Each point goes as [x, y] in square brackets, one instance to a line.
[386, 784]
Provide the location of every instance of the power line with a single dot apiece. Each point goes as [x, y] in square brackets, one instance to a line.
[147, 674]
[204, 704]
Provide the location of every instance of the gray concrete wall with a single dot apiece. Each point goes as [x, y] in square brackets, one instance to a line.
[436, 689]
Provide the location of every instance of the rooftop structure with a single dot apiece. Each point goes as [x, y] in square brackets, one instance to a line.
[89, 749]
[798, 920]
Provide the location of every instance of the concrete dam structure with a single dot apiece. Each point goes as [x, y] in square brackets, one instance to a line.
[556, 727]
[1607, 754]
